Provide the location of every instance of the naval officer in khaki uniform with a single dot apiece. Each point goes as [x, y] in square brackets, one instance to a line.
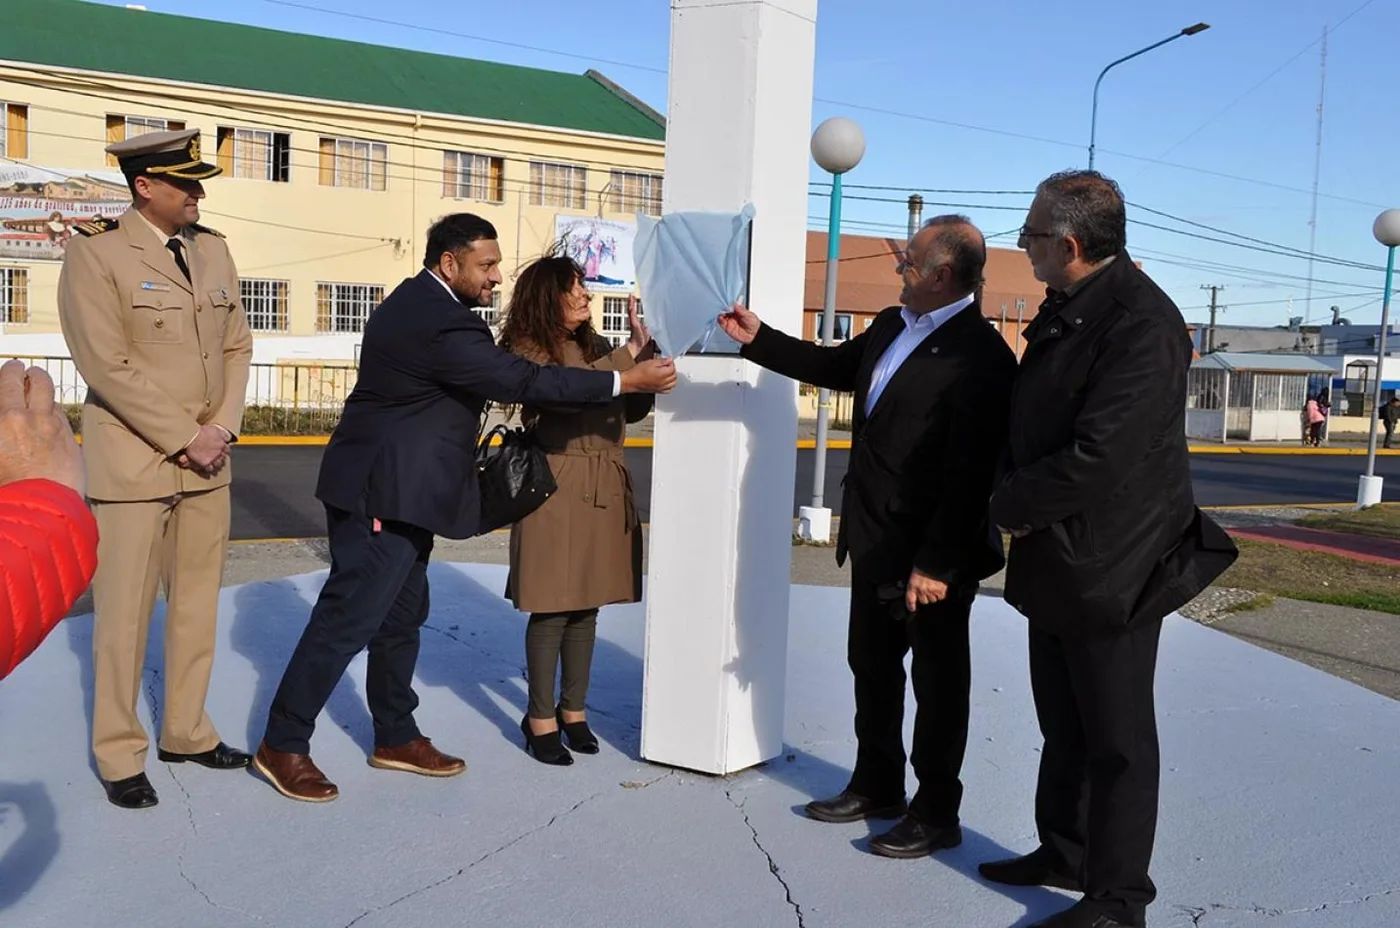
[150, 311]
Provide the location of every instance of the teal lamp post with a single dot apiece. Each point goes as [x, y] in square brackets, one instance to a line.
[837, 146]
[1094, 115]
[1387, 231]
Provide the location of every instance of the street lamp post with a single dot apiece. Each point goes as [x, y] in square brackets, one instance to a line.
[1094, 116]
[1387, 231]
[838, 144]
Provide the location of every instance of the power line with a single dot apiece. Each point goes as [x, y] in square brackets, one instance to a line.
[841, 103]
[1345, 262]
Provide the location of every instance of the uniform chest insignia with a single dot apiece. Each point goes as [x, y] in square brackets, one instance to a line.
[95, 226]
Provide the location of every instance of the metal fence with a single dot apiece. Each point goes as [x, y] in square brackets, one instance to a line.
[842, 405]
[281, 399]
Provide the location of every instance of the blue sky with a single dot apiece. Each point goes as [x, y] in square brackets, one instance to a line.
[1239, 99]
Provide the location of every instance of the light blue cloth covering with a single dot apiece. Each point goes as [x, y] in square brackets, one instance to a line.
[691, 266]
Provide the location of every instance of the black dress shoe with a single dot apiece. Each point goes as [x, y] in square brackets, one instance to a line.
[132, 793]
[1084, 915]
[851, 807]
[220, 757]
[1038, 868]
[912, 838]
[547, 748]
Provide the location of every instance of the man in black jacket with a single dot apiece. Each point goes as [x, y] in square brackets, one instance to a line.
[399, 469]
[932, 384]
[1107, 541]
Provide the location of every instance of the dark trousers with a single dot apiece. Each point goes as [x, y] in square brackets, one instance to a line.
[563, 642]
[1096, 799]
[881, 634]
[377, 597]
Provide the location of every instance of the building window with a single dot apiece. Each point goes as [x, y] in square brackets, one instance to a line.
[615, 328]
[558, 185]
[120, 128]
[14, 295]
[1021, 305]
[345, 307]
[353, 163]
[255, 154]
[265, 302]
[467, 176]
[636, 193]
[14, 130]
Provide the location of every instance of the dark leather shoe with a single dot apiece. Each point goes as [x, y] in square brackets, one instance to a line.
[912, 838]
[851, 807]
[417, 756]
[294, 775]
[220, 757]
[131, 793]
[581, 737]
[1083, 915]
[1038, 868]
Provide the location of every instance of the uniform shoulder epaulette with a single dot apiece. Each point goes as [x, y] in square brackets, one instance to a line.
[196, 227]
[95, 226]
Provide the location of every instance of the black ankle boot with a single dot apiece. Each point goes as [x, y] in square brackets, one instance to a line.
[581, 737]
[548, 749]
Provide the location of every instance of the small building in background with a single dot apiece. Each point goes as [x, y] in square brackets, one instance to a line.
[1242, 396]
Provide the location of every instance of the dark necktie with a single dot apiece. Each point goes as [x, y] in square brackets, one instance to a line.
[179, 253]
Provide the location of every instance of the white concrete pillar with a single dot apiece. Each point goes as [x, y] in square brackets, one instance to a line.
[738, 126]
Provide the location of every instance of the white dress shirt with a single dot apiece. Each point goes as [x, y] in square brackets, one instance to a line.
[617, 377]
[916, 329]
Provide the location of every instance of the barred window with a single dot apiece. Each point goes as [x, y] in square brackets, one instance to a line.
[491, 314]
[468, 176]
[265, 302]
[354, 163]
[345, 307]
[14, 295]
[633, 192]
[554, 184]
[615, 327]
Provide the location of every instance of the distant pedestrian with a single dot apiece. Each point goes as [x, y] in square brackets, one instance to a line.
[1312, 422]
[1390, 414]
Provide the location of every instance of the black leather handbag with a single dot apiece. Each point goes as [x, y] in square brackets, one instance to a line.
[514, 477]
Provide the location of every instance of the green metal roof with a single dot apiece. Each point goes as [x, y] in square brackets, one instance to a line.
[95, 37]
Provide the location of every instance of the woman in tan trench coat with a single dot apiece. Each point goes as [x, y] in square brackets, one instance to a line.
[582, 549]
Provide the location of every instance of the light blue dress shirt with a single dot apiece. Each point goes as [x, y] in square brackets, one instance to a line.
[916, 329]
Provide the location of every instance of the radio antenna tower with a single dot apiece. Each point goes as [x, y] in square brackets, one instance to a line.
[1317, 175]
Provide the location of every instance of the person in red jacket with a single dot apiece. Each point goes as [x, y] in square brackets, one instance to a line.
[48, 537]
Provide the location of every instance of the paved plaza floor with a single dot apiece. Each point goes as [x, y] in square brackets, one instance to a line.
[1279, 804]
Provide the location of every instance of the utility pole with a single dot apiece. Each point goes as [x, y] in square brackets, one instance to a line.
[1214, 308]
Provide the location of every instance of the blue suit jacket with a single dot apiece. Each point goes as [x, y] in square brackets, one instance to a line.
[405, 447]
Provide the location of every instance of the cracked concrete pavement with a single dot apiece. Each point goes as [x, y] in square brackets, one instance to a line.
[1277, 792]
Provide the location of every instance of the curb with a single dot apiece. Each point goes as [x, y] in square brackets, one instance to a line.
[844, 444]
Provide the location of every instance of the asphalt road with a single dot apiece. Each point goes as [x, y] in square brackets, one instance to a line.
[274, 486]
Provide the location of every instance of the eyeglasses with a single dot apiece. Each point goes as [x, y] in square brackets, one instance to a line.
[1028, 232]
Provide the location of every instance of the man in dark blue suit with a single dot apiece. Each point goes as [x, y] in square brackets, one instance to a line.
[399, 470]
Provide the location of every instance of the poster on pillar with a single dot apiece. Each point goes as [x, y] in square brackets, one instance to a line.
[692, 266]
[603, 248]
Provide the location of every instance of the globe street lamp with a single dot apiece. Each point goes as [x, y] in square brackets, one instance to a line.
[1387, 231]
[1094, 116]
[837, 146]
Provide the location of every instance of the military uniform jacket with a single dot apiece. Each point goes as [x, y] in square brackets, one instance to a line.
[161, 356]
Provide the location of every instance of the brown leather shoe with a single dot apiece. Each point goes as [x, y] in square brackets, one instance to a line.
[294, 775]
[417, 756]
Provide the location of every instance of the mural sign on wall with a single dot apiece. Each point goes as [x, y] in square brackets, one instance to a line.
[603, 247]
[39, 207]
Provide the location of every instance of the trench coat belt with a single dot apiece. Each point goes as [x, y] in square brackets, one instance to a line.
[600, 462]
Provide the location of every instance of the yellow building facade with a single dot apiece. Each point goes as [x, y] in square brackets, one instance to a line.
[325, 202]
